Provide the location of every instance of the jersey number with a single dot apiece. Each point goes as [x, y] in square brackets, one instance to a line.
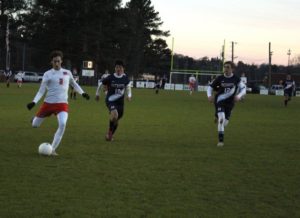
[119, 91]
[227, 90]
[61, 81]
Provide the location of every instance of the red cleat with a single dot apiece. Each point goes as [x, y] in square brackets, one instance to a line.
[109, 136]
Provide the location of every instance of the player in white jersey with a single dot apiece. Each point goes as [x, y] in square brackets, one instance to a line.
[56, 81]
[192, 83]
[19, 79]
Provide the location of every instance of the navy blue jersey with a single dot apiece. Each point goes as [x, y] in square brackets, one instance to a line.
[289, 85]
[226, 88]
[116, 86]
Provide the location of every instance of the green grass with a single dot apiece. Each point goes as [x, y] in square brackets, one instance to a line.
[163, 163]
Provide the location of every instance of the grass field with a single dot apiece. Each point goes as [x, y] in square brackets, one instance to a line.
[164, 161]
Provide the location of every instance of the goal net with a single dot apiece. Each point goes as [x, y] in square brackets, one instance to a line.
[179, 79]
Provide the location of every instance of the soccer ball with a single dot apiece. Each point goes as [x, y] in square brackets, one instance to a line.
[45, 149]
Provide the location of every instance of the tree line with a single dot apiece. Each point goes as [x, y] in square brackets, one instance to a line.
[97, 30]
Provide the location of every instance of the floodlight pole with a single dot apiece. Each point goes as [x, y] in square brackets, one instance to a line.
[24, 53]
[232, 51]
[223, 56]
[7, 61]
[172, 60]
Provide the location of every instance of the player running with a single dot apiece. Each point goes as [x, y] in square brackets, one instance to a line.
[116, 85]
[289, 87]
[158, 84]
[229, 90]
[56, 81]
[7, 75]
[19, 78]
[192, 83]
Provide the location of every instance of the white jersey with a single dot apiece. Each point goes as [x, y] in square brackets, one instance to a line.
[19, 77]
[57, 82]
[192, 79]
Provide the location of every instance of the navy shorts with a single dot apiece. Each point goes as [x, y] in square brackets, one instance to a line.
[114, 106]
[226, 108]
[288, 92]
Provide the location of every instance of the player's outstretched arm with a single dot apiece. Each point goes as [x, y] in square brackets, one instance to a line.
[128, 91]
[210, 96]
[39, 94]
[98, 90]
[242, 92]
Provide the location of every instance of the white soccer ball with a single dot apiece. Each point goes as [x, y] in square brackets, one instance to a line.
[45, 149]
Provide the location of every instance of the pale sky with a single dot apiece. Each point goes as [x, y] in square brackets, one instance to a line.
[199, 28]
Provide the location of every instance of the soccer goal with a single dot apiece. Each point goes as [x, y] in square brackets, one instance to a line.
[179, 79]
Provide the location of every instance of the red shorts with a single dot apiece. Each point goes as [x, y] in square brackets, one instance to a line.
[47, 109]
[192, 85]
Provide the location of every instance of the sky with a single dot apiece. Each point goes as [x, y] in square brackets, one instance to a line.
[200, 27]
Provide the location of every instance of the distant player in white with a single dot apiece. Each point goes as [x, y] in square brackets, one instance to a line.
[19, 79]
[106, 74]
[192, 83]
[56, 81]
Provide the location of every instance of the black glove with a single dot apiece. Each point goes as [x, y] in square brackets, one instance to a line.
[86, 96]
[30, 105]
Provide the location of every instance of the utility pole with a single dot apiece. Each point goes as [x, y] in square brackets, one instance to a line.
[232, 51]
[270, 64]
[172, 61]
[289, 55]
[223, 55]
[7, 61]
[24, 53]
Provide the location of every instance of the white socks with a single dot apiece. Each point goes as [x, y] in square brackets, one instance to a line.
[62, 118]
[221, 121]
[37, 121]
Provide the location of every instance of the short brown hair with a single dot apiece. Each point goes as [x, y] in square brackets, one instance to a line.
[56, 53]
[119, 62]
[230, 63]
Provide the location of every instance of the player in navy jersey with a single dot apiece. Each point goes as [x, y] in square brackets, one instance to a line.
[229, 90]
[7, 75]
[116, 84]
[289, 87]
